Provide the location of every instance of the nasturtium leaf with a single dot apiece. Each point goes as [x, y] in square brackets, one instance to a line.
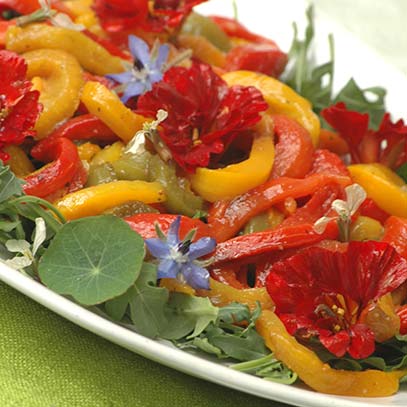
[93, 259]
[148, 303]
[116, 307]
[234, 312]
[187, 313]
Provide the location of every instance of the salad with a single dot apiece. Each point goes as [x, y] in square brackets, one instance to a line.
[186, 178]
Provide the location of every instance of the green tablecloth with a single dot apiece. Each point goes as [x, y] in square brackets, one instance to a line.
[46, 361]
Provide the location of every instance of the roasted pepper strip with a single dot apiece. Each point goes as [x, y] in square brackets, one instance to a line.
[92, 56]
[144, 224]
[61, 83]
[228, 217]
[85, 127]
[95, 200]
[54, 176]
[236, 179]
[294, 149]
[247, 247]
[318, 375]
[106, 105]
[383, 185]
[222, 294]
[280, 98]
[395, 233]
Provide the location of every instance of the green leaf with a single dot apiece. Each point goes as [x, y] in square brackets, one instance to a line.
[93, 259]
[186, 314]
[269, 368]
[116, 308]
[234, 312]
[241, 347]
[357, 99]
[204, 345]
[312, 82]
[10, 185]
[148, 303]
[402, 172]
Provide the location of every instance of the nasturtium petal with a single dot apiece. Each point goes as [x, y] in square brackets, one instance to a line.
[93, 259]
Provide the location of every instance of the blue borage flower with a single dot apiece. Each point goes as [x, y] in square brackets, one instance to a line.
[179, 258]
[148, 68]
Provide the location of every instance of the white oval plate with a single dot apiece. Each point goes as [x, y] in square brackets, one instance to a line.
[277, 25]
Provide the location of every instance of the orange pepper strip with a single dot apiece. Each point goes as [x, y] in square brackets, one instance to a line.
[332, 141]
[318, 375]
[222, 294]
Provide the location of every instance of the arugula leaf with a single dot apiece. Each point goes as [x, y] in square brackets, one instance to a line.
[93, 259]
[269, 368]
[236, 344]
[186, 314]
[312, 82]
[148, 303]
[357, 99]
[10, 185]
[315, 83]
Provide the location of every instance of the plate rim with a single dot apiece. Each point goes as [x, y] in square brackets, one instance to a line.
[183, 361]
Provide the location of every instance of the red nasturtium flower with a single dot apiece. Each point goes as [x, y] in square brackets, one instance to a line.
[158, 15]
[19, 107]
[324, 293]
[204, 114]
[387, 145]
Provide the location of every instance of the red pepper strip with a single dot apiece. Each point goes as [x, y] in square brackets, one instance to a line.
[370, 208]
[82, 127]
[232, 28]
[294, 149]
[226, 218]
[247, 248]
[395, 233]
[327, 162]
[226, 275]
[57, 174]
[402, 313]
[144, 224]
[263, 58]
[112, 48]
[29, 6]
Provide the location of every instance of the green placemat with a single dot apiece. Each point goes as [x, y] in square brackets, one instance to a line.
[47, 361]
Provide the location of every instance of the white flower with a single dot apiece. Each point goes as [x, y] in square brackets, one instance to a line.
[355, 195]
[150, 131]
[59, 19]
[26, 253]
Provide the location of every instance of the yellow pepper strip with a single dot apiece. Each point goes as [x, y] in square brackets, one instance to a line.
[106, 105]
[88, 150]
[236, 179]
[79, 7]
[19, 163]
[92, 56]
[318, 375]
[222, 294]
[280, 98]
[61, 83]
[385, 187]
[172, 284]
[109, 154]
[202, 49]
[95, 200]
